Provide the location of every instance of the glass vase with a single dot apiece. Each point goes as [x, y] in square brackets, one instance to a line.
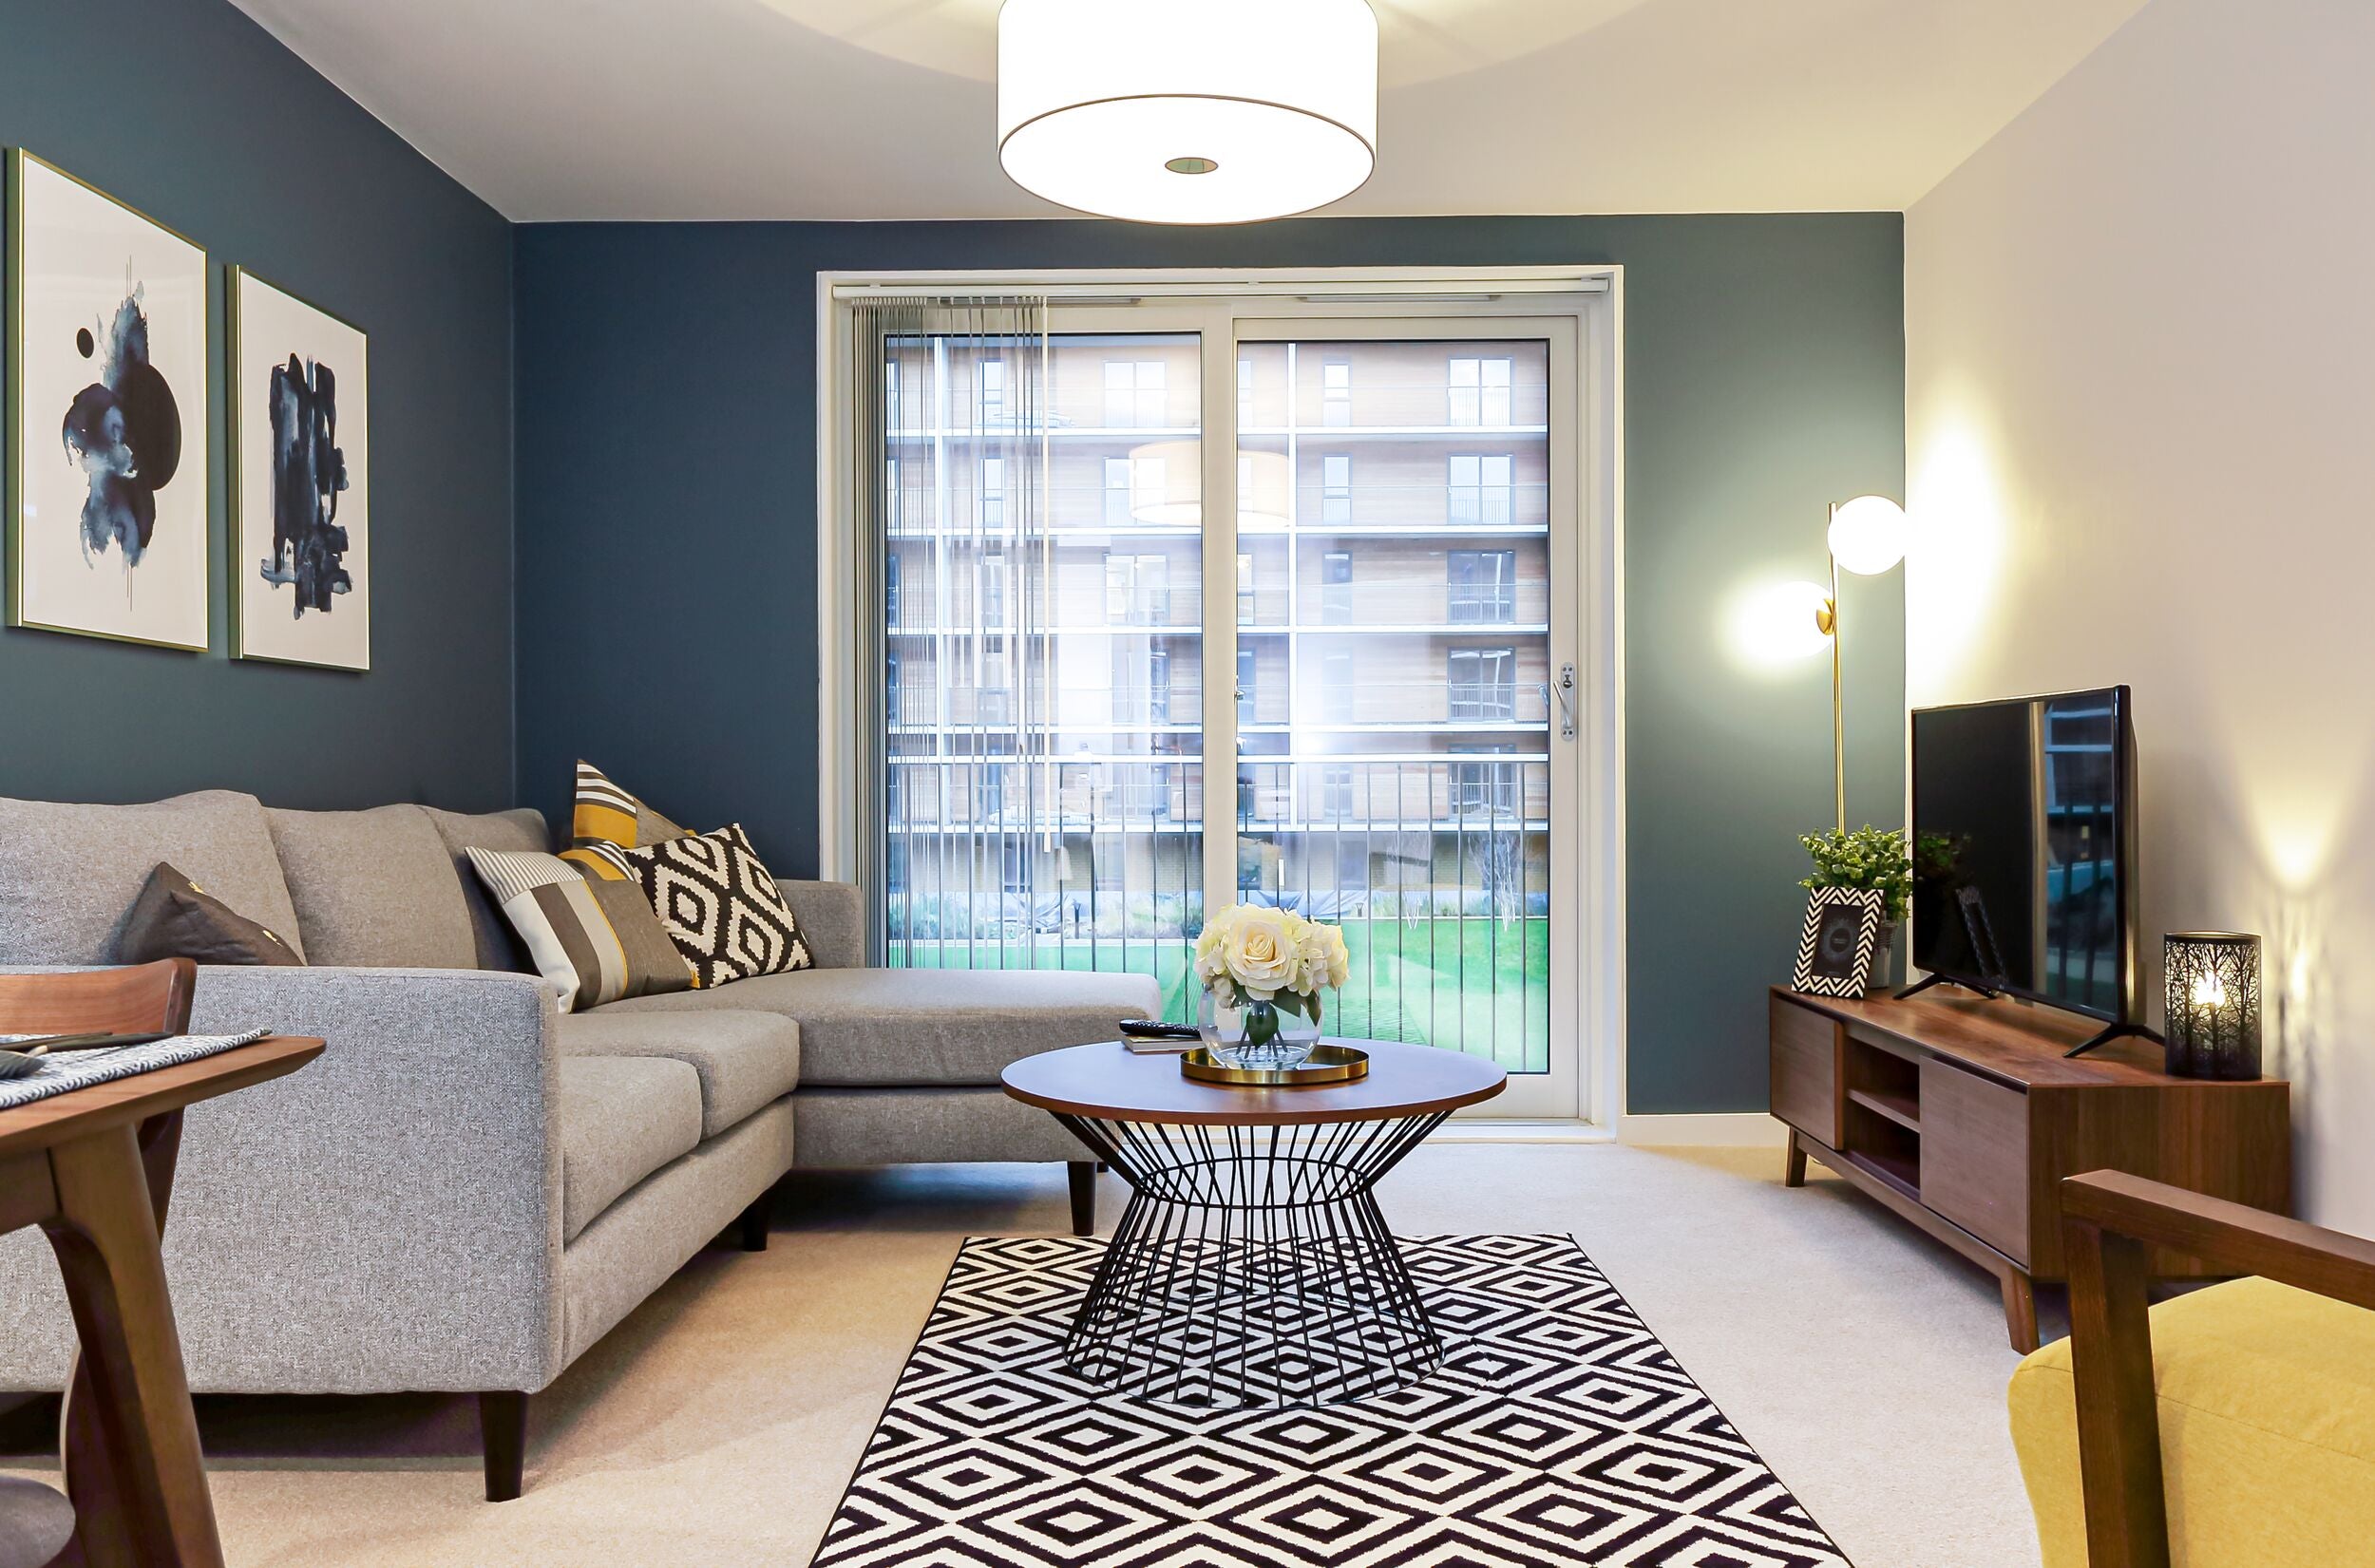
[1257, 1034]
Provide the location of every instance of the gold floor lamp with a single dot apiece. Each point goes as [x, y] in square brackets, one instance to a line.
[1867, 537]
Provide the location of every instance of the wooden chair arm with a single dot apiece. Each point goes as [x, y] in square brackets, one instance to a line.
[2231, 1237]
[2110, 1221]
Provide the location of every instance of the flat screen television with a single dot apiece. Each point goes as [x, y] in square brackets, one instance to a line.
[2025, 850]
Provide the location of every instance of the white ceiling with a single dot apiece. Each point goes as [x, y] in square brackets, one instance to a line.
[885, 108]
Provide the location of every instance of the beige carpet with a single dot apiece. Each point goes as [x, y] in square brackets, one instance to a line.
[718, 1424]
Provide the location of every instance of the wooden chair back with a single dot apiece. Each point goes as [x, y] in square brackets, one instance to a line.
[142, 999]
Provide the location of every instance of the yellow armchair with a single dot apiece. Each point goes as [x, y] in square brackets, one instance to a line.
[2233, 1428]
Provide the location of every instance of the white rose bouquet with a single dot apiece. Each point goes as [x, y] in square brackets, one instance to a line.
[1253, 954]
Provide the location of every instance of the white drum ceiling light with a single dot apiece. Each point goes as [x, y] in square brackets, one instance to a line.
[1188, 111]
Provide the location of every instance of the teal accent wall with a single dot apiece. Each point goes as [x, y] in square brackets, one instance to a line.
[666, 521]
[194, 114]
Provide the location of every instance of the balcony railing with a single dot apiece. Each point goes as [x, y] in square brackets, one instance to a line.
[1436, 869]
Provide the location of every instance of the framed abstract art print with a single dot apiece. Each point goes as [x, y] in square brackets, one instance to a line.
[107, 409]
[300, 481]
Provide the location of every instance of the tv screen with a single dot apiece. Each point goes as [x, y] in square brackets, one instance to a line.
[2023, 859]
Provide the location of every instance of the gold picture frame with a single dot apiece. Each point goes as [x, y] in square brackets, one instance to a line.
[244, 565]
[191, 446]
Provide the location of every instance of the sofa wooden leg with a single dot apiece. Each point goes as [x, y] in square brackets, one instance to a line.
[502, 1429]
[1084, 1197]
[754, 1224]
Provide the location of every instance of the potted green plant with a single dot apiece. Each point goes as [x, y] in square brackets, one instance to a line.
[1871, 858]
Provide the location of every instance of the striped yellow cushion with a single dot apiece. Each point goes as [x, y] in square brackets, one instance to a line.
[593, 940]
[606, 814]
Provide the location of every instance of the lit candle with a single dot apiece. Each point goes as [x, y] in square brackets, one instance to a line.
[2209, 992]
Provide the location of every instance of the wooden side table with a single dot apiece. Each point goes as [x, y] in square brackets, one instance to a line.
[94, 1168]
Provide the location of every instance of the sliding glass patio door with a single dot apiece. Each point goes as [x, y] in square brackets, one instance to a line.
[1331, 563]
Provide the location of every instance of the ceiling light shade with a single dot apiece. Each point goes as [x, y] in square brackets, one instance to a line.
[1188, 111]
[1868, 534]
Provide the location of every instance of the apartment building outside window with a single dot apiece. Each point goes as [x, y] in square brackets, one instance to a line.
[1134, 394]
[993, 588]
[1480, 390]
[1336, 586]
[1137, 589]
[1483, 684]
[1483, 586]
[1336, 687]
[1484, 790]
[994, 495]
[1479, 491]
[1336, 487]
[1360, 760]
[1146, 792]
[1131, 484]
[992, 407]
[1335, 795]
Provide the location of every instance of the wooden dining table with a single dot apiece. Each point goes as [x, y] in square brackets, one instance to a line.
[94, 1168]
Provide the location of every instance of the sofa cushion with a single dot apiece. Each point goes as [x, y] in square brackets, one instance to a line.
[605, 814]
[520, 831]
[745, 1060]
[174, 918]
[880, 1028]
[593, 941]
[720, 903]
[621, 1118]
[69, 874]
[374, 889]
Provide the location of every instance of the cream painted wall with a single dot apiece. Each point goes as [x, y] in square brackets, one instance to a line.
[2141, 415]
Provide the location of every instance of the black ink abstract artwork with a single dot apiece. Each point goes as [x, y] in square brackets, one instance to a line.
[300, 439]
[307, 473]
[124, 430]
[108, 413]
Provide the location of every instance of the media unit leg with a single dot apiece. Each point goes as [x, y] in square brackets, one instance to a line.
[2019, 1311]
[1793, 1163]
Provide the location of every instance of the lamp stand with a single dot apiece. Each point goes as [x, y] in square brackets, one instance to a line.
[1828, 620]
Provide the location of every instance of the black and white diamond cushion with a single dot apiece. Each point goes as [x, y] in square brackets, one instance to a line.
[720, 905]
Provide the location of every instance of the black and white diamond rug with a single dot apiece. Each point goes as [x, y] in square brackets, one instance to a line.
[1558, 1430]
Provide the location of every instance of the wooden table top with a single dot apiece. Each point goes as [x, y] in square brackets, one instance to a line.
[77, 1112]
[1110, 1082]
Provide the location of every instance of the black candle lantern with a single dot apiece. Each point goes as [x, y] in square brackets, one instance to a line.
[2213, 1004]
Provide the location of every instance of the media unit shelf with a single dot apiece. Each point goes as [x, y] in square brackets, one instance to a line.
[1961, 1116]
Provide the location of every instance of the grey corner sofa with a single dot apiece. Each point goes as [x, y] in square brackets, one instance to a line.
[468, 1189]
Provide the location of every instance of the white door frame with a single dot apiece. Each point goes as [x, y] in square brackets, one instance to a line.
[1591, 296]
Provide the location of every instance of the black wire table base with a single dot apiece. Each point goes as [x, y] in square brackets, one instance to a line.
[1252, 1266]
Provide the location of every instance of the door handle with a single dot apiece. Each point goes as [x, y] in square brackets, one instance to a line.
[1566, 704]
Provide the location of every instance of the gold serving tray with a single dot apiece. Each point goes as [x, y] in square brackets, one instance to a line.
[1325, 1065]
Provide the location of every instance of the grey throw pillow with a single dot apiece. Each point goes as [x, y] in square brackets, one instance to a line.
[174, 918]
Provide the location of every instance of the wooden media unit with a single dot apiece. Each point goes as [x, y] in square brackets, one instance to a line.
[1962, 1116]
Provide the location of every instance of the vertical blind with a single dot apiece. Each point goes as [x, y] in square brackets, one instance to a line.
[952, 639]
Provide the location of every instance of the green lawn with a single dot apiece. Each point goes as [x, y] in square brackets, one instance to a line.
[1477, 985]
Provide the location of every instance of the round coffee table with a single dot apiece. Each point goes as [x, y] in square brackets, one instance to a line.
[1252, 1266]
